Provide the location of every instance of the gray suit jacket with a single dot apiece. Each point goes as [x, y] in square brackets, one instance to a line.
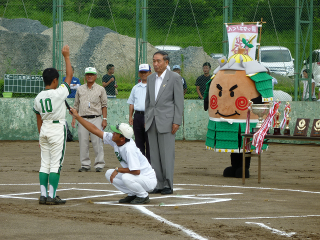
[168, 107]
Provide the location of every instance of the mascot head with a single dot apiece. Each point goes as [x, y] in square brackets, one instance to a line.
[232, 86]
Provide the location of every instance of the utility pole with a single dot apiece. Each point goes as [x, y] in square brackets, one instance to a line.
[57, 36]
[227, 18]
[303, 42]
[141, 34]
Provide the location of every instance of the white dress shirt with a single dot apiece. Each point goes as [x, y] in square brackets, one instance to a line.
[158, 83]
[138, 96]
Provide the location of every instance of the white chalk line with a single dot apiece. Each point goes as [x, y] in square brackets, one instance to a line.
[37, 184]
[194, 196]
[161, 219]
[273, 230]
[209, 200]
[179, 184]
[19, 195]
[251, 218]
[243, 187]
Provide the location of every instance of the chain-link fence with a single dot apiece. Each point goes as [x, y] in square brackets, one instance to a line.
[102, 32]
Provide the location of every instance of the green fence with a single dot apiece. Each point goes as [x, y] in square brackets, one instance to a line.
[100, 32]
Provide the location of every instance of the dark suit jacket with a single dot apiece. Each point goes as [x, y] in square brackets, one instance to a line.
[168, 107]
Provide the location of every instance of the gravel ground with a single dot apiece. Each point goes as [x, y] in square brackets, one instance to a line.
[193, 59]
[23, 25]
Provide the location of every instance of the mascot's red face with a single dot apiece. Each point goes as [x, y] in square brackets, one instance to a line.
[229, 95]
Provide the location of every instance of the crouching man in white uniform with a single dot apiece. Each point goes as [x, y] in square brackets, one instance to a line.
[136, 177]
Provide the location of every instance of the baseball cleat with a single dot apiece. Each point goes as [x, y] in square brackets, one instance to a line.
[127, 199]
[83, 169]
[55, 201]
[166, 191]
[42, 200]
[156, 190]
[139, 200]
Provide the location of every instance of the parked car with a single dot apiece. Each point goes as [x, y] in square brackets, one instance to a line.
[278, 59]
[168, 48]
[216, 55]
[315, 66]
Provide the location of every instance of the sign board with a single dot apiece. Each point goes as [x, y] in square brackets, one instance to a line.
[22, 83]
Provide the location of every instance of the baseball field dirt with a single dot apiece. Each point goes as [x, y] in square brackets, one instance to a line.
[204, 205]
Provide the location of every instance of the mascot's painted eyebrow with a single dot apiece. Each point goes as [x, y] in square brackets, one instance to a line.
[231, 90]
[220, 89]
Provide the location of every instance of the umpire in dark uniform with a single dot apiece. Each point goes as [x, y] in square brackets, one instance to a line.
[136, 110]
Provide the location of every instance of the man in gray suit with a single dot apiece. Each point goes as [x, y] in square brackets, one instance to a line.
[163, 116]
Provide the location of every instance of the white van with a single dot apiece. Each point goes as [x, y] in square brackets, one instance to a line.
[277, 59]
[315, 65]
[168, 48]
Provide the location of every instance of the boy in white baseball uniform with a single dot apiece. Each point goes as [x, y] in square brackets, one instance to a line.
[50, 109]
[136, 177]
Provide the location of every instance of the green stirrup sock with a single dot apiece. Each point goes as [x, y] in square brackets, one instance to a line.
[53, 182]
[43, 178]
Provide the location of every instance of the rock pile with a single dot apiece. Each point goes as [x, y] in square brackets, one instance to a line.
[26, 48]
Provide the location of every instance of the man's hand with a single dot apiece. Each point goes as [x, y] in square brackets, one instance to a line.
[73, 123]
[131, 121]
[75, 115]
[104, 124]
[175, 128]
[113, 175]
[65, 51]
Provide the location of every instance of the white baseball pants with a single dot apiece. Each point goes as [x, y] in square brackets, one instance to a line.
[133, 185]
[52, 141]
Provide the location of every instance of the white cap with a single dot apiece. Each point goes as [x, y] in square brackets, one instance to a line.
[176, 67]
[144, 68]
[124, 129]
[90, 70]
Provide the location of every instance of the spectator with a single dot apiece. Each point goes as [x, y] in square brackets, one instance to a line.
[305, 96]
[91, 103]
[109, 82]
[177, 69]
[137, 105]
[75, 83]
[274, 80]
[203, 79]
[163, 116]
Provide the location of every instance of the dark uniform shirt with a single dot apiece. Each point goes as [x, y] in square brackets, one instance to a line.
[110, 89]
[201, 82]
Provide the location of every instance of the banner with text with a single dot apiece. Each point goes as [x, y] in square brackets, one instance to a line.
[244, 36]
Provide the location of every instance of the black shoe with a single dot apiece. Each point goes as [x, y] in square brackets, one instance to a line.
[154, 191]
[239, 173]
[83, 169]
[139, 200]
[229, 172]
[55, 201]
[127, 199]
[98, 169]
[166, 191]
[42, 200]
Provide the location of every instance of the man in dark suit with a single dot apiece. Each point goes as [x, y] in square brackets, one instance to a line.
[163, 116]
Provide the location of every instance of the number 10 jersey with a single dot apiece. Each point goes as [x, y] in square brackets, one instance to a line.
[49, 103]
